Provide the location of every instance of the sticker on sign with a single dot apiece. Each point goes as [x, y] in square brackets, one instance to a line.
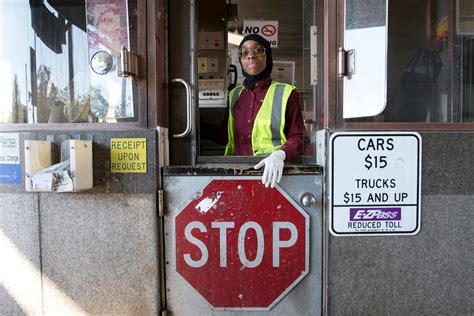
[375, 183]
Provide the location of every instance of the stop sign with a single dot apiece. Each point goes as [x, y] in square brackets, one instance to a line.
[241, 245]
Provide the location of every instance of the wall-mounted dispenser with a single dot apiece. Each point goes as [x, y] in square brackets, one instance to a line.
[74, 173]
[37, 158]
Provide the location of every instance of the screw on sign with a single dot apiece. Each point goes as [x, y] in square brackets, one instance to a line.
[241, 245]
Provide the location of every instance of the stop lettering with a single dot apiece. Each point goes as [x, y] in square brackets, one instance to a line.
[241, 245]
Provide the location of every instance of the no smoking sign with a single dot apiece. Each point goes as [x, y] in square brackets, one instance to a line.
[267, 29]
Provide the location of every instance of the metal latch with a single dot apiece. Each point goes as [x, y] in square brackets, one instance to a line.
[128, 63]
[345, 63]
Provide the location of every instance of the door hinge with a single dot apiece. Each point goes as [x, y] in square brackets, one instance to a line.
[161, 203]
[128, 64]
[345, 63]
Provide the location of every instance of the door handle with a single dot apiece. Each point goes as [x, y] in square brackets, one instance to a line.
[189, 121]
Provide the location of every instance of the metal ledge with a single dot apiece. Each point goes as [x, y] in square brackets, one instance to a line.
[236, 170]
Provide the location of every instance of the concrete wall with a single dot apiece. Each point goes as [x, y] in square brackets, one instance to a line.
[427, 274]
[93, 252]
[97, 252]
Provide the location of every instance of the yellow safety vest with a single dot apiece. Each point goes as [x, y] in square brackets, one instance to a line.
[268, 129]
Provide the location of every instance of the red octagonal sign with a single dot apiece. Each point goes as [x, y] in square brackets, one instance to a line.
[241, 245]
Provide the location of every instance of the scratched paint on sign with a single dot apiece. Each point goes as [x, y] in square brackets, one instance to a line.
[206, 204]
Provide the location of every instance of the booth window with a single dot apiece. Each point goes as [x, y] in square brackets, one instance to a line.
[429, 63]
[60, 61]
[430, 77]
[288, 28]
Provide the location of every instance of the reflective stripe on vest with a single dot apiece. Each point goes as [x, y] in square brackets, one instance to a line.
[233, 96]
[276, 115]
[268, 129]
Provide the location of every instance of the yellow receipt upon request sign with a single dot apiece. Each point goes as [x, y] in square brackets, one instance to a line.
[128, 155]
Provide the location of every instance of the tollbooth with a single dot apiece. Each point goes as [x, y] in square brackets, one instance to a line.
[116, 196]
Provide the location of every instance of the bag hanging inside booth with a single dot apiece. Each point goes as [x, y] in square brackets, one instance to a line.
[413, 99]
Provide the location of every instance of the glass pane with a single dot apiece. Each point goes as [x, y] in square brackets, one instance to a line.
[286, 25]
[365, 42]
[107, 30]
[430, 62]
[44, 63]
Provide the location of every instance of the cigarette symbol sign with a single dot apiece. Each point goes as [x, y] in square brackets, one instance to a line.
[268, 30]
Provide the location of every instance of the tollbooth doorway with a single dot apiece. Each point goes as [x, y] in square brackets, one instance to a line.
[230, 242]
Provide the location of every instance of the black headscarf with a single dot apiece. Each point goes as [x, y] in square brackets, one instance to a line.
[250, 80]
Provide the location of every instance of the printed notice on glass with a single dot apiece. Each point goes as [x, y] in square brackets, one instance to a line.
[375, 183]
[10, 167]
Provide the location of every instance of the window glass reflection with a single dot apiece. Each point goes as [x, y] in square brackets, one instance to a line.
[45, 75]
[430, 58]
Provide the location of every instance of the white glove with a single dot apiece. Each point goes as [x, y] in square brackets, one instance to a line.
[273, 168]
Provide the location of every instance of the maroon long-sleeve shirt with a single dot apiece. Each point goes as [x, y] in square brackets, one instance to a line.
[245, 111]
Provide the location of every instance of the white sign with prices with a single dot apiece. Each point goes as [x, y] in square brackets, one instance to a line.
[375, 183]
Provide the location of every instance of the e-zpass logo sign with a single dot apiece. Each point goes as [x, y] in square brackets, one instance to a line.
[374, 214]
